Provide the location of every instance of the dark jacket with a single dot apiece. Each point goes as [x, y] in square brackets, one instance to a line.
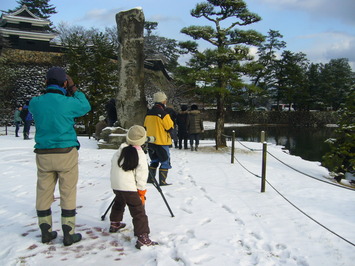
[111, 112]
[181, 121]
[172, 114]
[194, 122]
[25, 114]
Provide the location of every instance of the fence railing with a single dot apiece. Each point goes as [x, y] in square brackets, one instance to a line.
[264, 179]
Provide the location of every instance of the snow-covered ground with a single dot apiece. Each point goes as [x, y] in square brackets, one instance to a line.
[221, 217]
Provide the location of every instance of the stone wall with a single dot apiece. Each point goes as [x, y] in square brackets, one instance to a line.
[29, 69]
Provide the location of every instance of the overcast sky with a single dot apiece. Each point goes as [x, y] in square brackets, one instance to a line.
[322, 29]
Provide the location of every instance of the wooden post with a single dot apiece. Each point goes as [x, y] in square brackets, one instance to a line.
[6, 127]
[262, 136]
[89, 129]
[233, 139]
[263, 169]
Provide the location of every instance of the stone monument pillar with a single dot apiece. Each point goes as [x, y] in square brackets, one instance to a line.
[131, 104]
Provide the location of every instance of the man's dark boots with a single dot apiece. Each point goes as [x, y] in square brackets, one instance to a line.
[68, 226]
[152, 173]
[45, 224]
[163, 174]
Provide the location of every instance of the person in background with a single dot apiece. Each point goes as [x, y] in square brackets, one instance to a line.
[17, 120]
[170, 110]
[158, 125]
[100, 126]
[181, 121]
[129, 171]
[27, 119]
[56, 151]
[111, 112]
[194, 126]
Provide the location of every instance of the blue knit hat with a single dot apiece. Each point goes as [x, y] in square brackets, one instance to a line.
[58, 74]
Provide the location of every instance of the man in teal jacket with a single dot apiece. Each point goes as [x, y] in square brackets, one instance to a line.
[56, 151]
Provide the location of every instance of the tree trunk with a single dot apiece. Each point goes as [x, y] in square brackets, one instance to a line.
[220, 114]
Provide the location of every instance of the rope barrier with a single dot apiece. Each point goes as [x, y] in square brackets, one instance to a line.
[248, 147]
[242, 144]
[293, 205]
[246, 168]
[297, 208]
[337, 185]
[309, 216]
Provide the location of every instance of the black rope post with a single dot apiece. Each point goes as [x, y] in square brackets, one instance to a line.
[263, 168]
[233, 145]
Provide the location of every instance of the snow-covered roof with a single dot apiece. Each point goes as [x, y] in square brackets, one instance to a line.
[23, 15]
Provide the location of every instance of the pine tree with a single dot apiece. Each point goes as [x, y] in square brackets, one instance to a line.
[263, 77]
[221, 68]
[314, 99]
[341, 158]
[263, 69]
[290, 77]
[40, 8]
[336, 79]
[160, 47]
[91, 57]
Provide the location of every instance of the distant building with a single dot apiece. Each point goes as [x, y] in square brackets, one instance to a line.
[25, 31]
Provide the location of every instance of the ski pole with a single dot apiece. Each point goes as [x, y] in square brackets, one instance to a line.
[109, 207]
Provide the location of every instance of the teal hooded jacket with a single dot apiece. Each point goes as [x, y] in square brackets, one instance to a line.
[54, 115]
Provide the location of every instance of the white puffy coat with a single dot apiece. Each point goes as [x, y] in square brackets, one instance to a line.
[130, 180]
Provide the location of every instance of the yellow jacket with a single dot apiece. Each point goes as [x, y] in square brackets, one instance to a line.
[158, 124]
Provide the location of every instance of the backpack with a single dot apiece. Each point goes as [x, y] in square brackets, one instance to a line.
[23, 114]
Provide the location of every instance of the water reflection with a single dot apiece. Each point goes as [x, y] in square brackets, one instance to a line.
[307, 143]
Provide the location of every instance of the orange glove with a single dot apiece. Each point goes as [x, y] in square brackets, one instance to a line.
[141, 194]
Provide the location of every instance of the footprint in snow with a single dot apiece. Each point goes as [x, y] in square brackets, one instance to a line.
[227, 209]
[186, 210]
[188, 201]
[210, 199]
[255, 235]
[205, 221]
[240, 222]
[94, 239]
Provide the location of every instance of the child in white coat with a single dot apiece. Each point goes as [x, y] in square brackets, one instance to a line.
[129, 171]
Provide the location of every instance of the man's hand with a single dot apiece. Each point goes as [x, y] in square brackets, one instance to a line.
[71, 87]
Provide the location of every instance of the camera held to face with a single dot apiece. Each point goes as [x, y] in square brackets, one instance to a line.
[71, 87]
[70, 91]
